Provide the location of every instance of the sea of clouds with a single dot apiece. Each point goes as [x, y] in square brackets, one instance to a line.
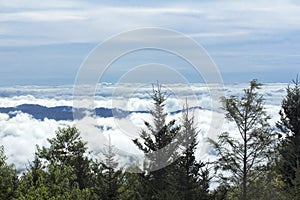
[19, 134]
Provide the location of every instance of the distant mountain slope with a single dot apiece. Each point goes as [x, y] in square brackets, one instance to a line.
[66, 112]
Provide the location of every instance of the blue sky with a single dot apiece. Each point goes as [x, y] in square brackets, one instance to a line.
[45, 42]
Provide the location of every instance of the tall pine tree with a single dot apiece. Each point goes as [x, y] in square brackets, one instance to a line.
[160, 148]
[245, 157]
[193, 177]
[289, 125]
[109, 178]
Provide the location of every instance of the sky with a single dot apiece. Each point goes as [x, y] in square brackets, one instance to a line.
[46, 42]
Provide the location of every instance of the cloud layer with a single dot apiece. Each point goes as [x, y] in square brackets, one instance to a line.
[21, 133]
[228, 19]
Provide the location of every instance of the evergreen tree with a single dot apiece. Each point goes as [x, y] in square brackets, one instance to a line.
[289, 125]
[8, 178]
[193, 178]
[68, 149]
[32, 183]
[36, 169]
[267, 186]
[56, 183]
[160, 149]
[245, 157]
[294, 192]
[110, 179]
[61, 183]
[53, 181]
[132, 187]
[221, 192]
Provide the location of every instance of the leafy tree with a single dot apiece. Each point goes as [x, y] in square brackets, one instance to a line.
[245, 158]
[68, 149]
[159, 146]
[289, 125]
[8, 178]
[193, 179]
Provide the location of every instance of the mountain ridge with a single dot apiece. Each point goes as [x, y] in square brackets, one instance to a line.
[59, 113]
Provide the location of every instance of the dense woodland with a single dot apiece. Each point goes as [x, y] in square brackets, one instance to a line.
[264, 163]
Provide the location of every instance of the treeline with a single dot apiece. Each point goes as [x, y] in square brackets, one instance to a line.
[260, 162]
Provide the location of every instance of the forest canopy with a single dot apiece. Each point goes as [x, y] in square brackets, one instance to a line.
[263, 163]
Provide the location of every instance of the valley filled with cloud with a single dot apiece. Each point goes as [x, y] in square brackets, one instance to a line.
[21, 131]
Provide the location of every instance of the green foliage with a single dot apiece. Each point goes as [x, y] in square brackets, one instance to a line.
[32, 184]
[160, 148]
[294, 191]
[289, 124]
[221, 192]
[68, 149]
[131, 189]
[158, 135]
[192, 179]
[245, 157]
[8, 178]
[290, 112]
[55, 182]
[108, 177]
[267, 186]
[253, 171]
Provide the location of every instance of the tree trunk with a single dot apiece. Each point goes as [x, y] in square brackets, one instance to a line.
[244, 185]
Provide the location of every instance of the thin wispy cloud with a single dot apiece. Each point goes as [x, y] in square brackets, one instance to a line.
[42, 16]
[256, 35]
[206, 19]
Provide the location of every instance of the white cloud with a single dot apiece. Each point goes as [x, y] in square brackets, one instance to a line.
[36, 4]
[43, 16]
[21, 133]
[219, 34]
[83, 21]
[29, 99]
